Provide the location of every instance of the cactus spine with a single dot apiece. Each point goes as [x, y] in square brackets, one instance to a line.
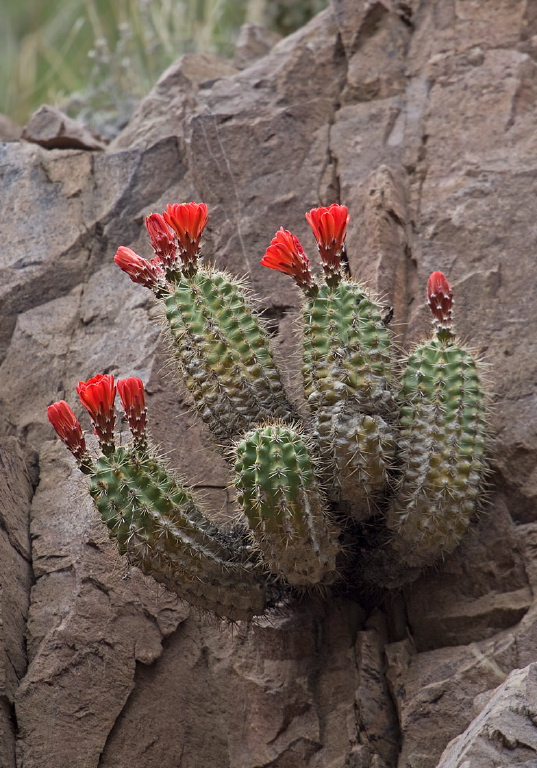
[441, 442]
[280, 494]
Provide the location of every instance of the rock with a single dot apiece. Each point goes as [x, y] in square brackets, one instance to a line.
[435, 691]
[253, 42]
[16, 492]
[166, 108]
[9, 131]
[504, 733]
[51, 129]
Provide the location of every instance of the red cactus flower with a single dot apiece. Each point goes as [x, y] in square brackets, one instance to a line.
[68, 429]
[97, 395]
[162, 240]
[440, 298]
[132, 396]
[329, 226]
[188, 221]
[285, 253]
[139, 270]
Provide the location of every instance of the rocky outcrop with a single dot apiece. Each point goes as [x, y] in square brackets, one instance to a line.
[418, 116]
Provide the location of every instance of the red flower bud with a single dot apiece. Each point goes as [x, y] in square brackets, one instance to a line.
[440, 298]
[132, 396]
[188, 221]
[162, 240]
[139, 270]
[97, 396]
[68, 429]
[285, 253]
[329, 226]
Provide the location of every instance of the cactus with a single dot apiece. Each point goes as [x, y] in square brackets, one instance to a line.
[441, 442]
[409, 453]
[280, 494]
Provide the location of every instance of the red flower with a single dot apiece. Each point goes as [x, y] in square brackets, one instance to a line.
[139, 270]
[285, 253]
[440, 298]
[329, 226]
[132, 396]
[68, 428]
[97, 395]
[188, 221]
[162, 240]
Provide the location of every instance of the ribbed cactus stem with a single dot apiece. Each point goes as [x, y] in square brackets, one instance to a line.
[279, 491]
[442, 441]
[348, 375]
[223, 353]
[157, 523]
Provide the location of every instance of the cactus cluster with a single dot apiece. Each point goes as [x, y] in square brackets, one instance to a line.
[395, 447]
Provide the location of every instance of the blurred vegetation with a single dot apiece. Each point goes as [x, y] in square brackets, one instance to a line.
[97, 58]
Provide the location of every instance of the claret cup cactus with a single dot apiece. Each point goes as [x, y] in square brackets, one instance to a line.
[402, 451]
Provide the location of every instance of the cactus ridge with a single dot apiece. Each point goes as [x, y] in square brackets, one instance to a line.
[280, 494]
[442, 444]
[348, 375]
[223, 353]
[159, 525]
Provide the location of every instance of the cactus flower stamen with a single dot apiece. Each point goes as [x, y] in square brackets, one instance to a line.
[162, 240]
[329, 226]
[97, 395]
[68, 429]
[139, 270]
[188, 221]
[440, 299]
[132, 396]
[286, 254]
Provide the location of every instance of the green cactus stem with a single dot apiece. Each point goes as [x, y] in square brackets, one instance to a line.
[348, 378]
[442, 441]
[159, 526]
[278, 489]
[220, 343]
[223, 353]
[152, 518]
[347, 366]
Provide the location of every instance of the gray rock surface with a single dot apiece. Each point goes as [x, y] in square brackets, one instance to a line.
[420, 117]
[504, 732]
[51, 128]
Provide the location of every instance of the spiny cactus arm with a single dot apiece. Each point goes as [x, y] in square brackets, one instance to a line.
[348, 365]
[223, 352]
[442, 441]
[161, 528]
[220, 344]
[154, 520]
[279, 490]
